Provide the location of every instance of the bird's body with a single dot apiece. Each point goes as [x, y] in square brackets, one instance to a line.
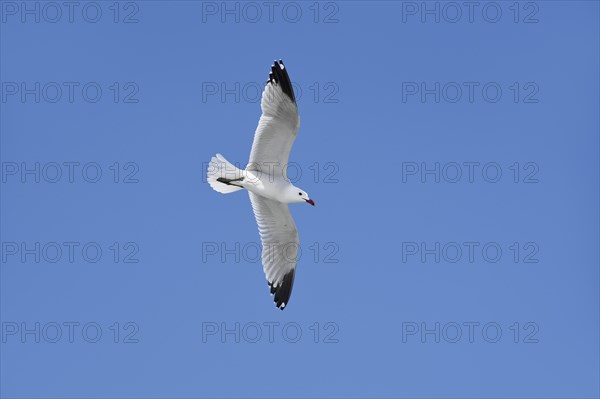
[272, 187]
[265, 179]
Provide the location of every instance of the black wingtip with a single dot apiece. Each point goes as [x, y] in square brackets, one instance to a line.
[280, 76]
[284, 290]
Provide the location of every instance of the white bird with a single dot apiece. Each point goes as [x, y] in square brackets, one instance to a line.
[265, 179]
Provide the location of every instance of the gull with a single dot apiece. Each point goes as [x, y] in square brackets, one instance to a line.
[265, 180]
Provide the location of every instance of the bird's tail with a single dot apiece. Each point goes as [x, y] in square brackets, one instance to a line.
[222, 175]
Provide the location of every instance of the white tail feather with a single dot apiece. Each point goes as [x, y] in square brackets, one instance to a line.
[220, 167]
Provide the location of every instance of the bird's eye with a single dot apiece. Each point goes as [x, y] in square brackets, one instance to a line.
[299, 193]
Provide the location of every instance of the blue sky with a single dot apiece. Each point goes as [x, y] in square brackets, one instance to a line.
[453, 154]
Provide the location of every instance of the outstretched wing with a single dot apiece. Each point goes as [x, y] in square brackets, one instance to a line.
[278, 124]
[279, 245]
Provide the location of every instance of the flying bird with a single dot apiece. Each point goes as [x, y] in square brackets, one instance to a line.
[265, 180]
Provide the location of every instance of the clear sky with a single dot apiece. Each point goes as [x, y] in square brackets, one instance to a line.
[452, 150]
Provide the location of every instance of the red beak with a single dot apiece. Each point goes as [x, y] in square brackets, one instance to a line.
[310, 202]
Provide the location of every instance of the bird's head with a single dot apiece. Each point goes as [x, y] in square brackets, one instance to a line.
[299, 195]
